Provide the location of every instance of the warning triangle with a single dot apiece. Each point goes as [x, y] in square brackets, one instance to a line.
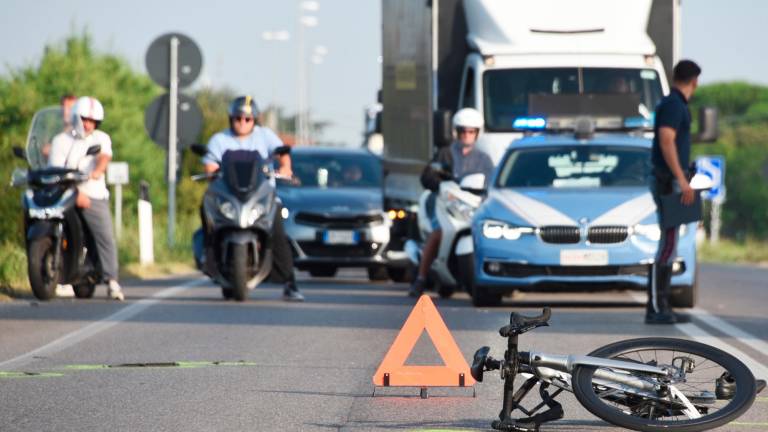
[393, 372]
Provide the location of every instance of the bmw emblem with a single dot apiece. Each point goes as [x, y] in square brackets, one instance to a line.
[583, 221]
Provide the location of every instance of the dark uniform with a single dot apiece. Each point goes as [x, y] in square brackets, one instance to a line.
[672, 111]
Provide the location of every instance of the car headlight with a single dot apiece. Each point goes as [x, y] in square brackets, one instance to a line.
[256, 212]
[227, 209]
[650, 231]
[495, 230]
[285, 213]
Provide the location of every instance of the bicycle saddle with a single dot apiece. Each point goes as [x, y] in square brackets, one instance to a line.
[519, 324]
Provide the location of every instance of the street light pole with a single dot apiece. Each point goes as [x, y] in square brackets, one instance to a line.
[301, 125]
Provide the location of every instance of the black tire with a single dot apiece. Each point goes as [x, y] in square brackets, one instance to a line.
[328, 271]
[226, 293]
[651, 416]
[84, 291]
[482, 298]
[239, 271]
[43, 278]
[685, 296]
[378, 274]
[400, 274]
[465, 271]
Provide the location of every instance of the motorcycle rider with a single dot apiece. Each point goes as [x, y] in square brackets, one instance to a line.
[245, 134]
[458, 159]
[68, 150]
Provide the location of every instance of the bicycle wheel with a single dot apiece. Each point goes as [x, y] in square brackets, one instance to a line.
[718, 387]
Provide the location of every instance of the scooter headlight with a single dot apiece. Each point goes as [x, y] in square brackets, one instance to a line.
[227, 209]
[650, 231]
[460, 210]
[495, 230]
[256, 212]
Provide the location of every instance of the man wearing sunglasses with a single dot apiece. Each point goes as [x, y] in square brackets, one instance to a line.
[245, 134]
[458, 160]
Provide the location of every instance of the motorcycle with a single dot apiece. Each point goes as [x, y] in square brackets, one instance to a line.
[455, 205]
[234, 246]
[60, 249]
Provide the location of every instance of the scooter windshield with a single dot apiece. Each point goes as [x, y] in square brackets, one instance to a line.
[46, 124]
[243, 171]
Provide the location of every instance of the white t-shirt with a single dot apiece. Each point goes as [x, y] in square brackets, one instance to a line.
[69, 152]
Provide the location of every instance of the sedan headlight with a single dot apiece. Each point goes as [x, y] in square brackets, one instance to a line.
[495, 230]
[227, 209]
[650, 231]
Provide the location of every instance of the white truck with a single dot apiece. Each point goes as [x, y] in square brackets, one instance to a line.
[523, 64]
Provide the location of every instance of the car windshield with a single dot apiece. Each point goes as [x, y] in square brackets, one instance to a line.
[577, 166]
[336, 170]
[508, 91]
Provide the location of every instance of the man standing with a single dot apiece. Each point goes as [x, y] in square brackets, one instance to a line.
[670, 158]
[244, 134]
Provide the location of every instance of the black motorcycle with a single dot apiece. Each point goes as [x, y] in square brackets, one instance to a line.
[60, 250]
[234, 246]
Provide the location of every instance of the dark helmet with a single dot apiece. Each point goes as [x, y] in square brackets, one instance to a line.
[243, 105]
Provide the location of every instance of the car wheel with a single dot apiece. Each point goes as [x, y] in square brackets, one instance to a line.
[400, 274]
[378, 273]
[482, 298]
[323, 271]
[685, 296]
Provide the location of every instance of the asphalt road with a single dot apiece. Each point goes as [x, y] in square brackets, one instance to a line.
[176, 357]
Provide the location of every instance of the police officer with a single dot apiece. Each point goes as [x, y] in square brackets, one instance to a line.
[670, 158]
[245, 134]
[461, 159]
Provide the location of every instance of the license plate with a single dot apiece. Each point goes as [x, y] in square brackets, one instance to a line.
[340, 237]
[584, 257]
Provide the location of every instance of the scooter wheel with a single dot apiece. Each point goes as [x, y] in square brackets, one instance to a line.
[84, 291]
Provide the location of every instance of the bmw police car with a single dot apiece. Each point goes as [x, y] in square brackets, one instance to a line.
[573, 212]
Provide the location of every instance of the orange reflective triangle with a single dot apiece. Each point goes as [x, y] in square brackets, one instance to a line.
[393, 372]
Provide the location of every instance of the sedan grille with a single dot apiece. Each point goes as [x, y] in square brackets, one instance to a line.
[560, 234]
[337, 221]
[608, 234]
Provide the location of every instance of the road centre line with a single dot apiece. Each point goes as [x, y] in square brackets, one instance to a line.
[92, 329]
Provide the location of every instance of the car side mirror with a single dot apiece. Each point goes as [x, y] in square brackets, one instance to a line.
[93, 150]
[443, 132]
[19, 152]
[708, 131]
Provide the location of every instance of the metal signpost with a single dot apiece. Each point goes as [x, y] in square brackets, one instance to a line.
[117, 174]
[714, 168]
[173, 61]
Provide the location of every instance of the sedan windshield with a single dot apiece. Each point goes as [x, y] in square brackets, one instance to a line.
[508, 91]
[577, 166]
[336, 170]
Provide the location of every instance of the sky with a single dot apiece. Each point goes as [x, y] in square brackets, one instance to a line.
[726, 38]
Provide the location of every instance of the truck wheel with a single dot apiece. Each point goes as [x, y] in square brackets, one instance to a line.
[400, 274]
[378, 273]
[685, 296]
[323, 271]
[239, 272]
[482, 298]
[84, 291]
[42, 276]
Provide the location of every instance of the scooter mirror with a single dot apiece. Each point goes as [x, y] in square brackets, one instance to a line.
[94, 149]
[199, 149]
[282, 150]
[19, 152]
[473, 182]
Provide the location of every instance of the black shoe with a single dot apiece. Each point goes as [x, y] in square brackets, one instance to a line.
[663, 317]
[291, 293]
[417, 287]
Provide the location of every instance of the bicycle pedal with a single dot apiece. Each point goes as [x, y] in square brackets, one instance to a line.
[514, 426]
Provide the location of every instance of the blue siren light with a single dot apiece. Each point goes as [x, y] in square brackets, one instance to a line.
[529, 123]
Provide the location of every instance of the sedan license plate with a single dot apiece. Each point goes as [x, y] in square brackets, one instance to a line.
[340, 237]
[584, 257]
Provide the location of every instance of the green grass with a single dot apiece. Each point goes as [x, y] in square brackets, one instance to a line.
[751, 251]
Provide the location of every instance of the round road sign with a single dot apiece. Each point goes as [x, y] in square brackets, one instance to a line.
[189, 120]
[158, 60]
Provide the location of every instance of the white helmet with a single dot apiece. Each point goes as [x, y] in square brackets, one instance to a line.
[86, 107]
[468, 118]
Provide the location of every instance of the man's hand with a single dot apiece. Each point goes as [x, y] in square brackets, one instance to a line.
[687, 193]
[82, 201]
[96, 174]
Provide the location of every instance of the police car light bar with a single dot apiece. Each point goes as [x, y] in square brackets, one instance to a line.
[531, 123]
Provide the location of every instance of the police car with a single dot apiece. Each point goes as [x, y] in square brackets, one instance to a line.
[573, 211]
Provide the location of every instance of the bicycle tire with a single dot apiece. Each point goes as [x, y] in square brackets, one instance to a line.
[740, 402]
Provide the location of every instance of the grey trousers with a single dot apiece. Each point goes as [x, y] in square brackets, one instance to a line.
[99, 221]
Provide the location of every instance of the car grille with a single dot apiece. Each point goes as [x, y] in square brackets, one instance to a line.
[560, 234]
[321, 250]
[334, 221]
[608, 234]
[524, 270]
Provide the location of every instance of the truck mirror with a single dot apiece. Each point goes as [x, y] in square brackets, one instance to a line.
[442, 128]
[708, 131]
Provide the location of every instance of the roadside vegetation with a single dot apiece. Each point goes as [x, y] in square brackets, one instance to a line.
[74, 67]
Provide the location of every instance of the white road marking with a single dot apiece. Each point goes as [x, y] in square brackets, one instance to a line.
[699, 334]
[77, 336]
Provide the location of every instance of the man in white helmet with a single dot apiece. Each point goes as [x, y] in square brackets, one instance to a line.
[459, 159]
[68, 150]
